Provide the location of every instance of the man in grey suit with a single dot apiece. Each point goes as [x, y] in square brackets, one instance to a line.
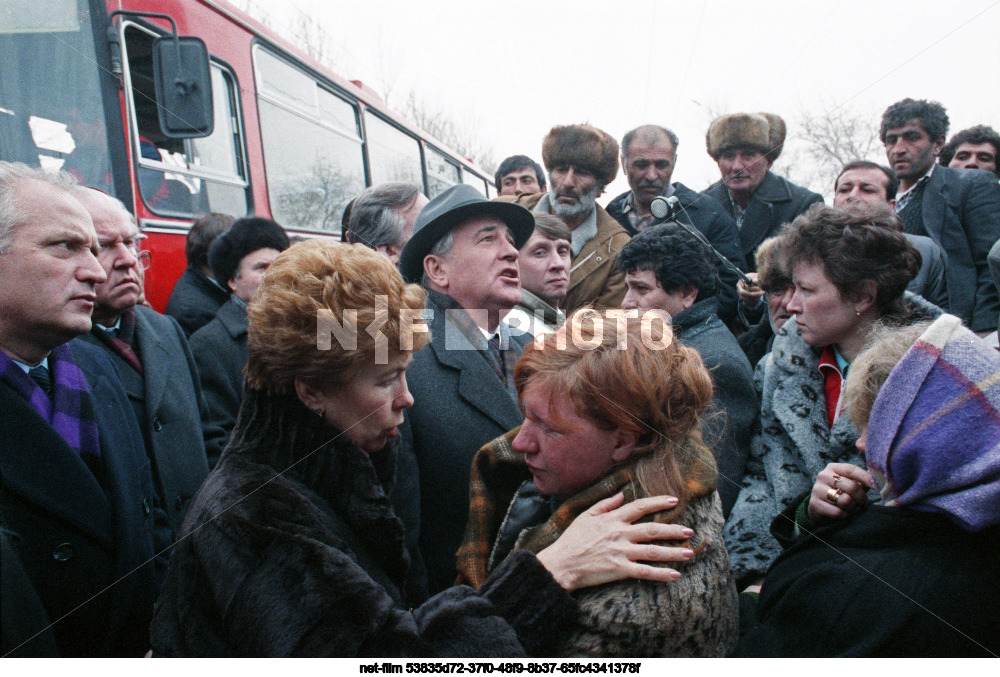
[957, 208]
[152, 358]
[464, 249]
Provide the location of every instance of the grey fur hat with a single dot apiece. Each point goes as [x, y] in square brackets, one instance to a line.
[760, 131]
[583, 146]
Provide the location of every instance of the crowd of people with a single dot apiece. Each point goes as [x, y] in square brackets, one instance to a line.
[736, 422]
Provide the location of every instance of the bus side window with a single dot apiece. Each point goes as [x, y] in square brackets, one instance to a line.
[312, 146]
[442, 172]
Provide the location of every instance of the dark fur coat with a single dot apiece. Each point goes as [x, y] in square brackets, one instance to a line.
[291, 548]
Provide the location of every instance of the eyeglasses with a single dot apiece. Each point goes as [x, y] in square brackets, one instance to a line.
[145, 258]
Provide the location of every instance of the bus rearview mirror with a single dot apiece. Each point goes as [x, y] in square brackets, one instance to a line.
[183, 84]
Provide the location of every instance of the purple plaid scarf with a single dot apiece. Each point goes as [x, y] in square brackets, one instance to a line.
[122, 344]
[934, 431]
[70, 411]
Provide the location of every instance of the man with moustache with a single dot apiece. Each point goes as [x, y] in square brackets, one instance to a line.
[957, 208]
[151, 356]
[745, 145]
[76, 495]
[464, 250]
[581, 161]
[649, 156]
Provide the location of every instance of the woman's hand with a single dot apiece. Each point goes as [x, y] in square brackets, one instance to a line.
[603, 545]
[749, 295]
[839, 489]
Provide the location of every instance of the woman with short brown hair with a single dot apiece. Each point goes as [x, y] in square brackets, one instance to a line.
[914, 573]
[850, 270]
[611, 404]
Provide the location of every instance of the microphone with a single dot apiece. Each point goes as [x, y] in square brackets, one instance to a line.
[665, 208]
[668, 208]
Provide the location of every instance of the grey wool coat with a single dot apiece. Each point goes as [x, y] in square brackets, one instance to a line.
[169, 406]
[790, 444]
[459, 405]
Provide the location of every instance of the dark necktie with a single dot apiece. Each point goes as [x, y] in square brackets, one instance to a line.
[41, 376]
[497, 357]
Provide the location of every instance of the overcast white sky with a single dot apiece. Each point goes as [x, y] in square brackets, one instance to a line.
[516, 69]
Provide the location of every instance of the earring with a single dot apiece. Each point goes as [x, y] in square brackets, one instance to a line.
[320, 411]
[859, 313]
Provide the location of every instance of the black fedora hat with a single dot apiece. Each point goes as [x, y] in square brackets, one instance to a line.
[447, 210]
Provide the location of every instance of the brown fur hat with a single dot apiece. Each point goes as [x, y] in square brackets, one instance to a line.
[583, 146]
[761, 131]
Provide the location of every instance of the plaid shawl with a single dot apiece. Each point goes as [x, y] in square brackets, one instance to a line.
[70, 410]
[124, 342]
[497, 474]
[934, 430]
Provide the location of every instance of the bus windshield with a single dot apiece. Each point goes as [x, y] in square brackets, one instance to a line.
[51, 109]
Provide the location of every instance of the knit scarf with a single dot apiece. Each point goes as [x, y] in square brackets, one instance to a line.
[934, 430]
[70, 410]
[498, 472]
[124, 342]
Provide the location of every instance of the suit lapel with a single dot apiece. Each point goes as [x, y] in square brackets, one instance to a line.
[933, 202]
[477, 382]
[759, 215]
[38, 464]
[155, 361]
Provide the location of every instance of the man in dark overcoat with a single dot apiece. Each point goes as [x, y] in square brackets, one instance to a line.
[76, 493]
[197, 296]
[239, 257]
[464, 248]
[152, 358]
[745, 145]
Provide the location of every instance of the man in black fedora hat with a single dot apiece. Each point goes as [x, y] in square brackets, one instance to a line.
[464, 251]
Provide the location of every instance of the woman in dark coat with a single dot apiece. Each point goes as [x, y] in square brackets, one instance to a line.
[291, 547]
[914, 575]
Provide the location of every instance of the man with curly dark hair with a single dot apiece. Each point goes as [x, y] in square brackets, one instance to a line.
[958, 209]
[973, 148]
[668, 268]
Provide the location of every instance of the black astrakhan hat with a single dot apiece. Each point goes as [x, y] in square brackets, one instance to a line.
[245, 236]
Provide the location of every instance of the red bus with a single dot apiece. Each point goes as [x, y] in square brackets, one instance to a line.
[291, 140]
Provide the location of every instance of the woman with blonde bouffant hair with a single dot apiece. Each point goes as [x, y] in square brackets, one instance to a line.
[612, 404]
[292, 547]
